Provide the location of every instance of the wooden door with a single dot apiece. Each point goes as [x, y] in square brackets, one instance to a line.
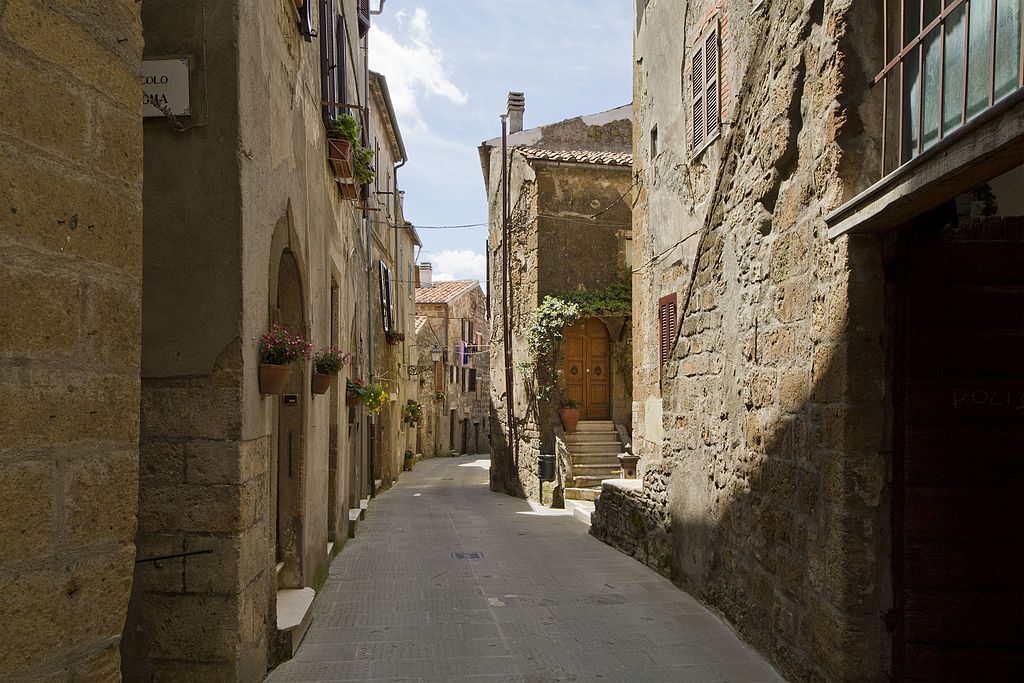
[585, 368]
[959, 472]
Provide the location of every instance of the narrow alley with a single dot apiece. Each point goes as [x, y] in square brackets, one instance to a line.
[448, 581]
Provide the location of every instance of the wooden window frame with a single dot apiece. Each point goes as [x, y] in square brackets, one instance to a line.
[668, 326]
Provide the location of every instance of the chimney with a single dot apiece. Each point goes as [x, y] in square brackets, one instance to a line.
[516, 109]
[425, 275]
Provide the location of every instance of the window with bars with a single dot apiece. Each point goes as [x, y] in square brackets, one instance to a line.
[705, 104]
[666, 330]
[945, 63]
[472, 380]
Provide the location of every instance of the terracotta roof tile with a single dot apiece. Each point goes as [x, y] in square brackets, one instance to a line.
[443, 291]
[578, 156]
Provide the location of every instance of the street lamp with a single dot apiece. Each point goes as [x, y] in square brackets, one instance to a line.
[435, 356]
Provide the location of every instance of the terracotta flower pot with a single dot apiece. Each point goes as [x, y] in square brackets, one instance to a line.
[351, 399]
[273, 378]
[321, 383]
[339, 153]
[569, 417]
[299, 4]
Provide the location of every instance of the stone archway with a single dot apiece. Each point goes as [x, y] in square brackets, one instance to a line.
[289, 435]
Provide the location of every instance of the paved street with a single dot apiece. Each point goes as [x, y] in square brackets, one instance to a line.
[540, 601]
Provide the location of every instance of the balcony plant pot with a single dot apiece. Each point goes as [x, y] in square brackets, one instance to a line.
[349, 190]
[351, 400]
[569, 417]
[320, 383]
[273, 378]
[299, 4]
[339, 153]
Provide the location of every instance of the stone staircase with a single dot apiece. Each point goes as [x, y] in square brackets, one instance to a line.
[594, 452]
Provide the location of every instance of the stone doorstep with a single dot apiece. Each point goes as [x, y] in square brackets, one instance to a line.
[594, 426]
[596, 448]
[585, 481]
[294, 615]
[581, 510]
[353, 521]
[625, 484]
[591, 494]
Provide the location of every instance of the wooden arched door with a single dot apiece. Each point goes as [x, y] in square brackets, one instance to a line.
[586, 370]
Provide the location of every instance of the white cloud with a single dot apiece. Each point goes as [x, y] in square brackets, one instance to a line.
[459, 264]
[415, 68]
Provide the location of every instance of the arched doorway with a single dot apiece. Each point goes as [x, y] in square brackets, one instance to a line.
[289, 434]
[585, 368]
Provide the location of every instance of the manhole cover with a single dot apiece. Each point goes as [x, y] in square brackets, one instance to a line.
[468, 556]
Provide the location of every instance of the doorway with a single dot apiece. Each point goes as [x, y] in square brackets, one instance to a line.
[959, 468]
[289, 438]
[585, 368]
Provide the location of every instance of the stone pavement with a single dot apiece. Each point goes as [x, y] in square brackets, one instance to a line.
[447, 581]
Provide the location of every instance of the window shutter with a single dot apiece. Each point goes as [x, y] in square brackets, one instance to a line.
[697, 80]
[438, 376]
[472, 380]
[713, 117]
[341, 64]
[666, 329]
[328, 71]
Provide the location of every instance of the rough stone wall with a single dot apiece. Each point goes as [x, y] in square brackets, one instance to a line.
[773, 417]
[638, 522]
[71, 234]
[554, 245]
[214, 470]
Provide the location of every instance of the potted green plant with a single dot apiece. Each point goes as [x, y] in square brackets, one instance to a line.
[569, 414]
[439, 397]
[410, 458]
[412, 412]
[352, 163]
[279, 348]
[394, 338]
[327, 363]
[353, 392]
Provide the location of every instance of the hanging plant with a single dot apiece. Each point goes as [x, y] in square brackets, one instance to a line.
[412, 412]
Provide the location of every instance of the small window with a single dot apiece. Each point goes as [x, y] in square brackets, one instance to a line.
[706, 117]
[666, 329]
[472, 380]
[654, 142]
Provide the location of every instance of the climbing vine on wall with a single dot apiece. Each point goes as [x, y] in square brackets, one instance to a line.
[557, 312]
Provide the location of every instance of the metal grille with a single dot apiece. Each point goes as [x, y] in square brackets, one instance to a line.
[946, 62]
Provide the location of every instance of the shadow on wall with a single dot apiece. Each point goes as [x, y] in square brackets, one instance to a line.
[772, 505]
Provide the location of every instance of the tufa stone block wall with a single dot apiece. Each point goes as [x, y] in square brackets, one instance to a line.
[772, 416]
[71, 233]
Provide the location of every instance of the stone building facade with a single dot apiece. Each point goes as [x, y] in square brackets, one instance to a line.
[70, 301]
[569, 198]
[249, 496]
[455, 396]
[823, 330]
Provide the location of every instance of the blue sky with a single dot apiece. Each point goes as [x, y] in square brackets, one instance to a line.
[450, 65]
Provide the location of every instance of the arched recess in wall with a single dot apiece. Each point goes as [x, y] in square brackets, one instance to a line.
[287, 292]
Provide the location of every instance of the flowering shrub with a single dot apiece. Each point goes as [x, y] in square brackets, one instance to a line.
[373, 396]
[439, 397]
[329, 361]
[281, 347]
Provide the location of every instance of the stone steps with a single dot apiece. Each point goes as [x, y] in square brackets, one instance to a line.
[596, 447]
[594, 452]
